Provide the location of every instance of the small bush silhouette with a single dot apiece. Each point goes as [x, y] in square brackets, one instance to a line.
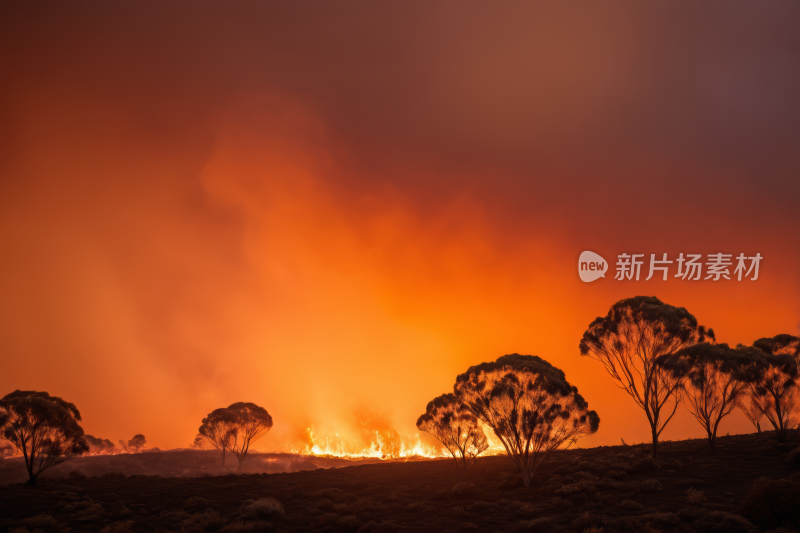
[41, 522]
[794, 457]
[263, 508]
[630, 505]
[119, 527]
[773, 503]
[464, 489]
[695, 496]
[137, 442]
[196, 502]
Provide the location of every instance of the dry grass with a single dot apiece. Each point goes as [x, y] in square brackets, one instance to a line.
[263, 508]
[695, 496]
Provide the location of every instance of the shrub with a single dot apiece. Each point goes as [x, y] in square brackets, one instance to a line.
[464, 489]
[538, 525]
[196, 502]
[645, 465]
[210, 520]
[387, 526]
[695, 496]
[263, 508]
[615, 474]
[336, 495]
[119, 527]
[721, 522]
[650, 485]
[670, 519]
[249, 527]
[342, 508]
[773, 503]
[587, 522]
[323, 505]
[630, 505]
[326, 519]
[482, 507]
[349, 523]
[40, 521]
[526, 510]
[794, 457]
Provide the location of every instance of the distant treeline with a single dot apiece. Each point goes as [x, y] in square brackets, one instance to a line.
[659, 354]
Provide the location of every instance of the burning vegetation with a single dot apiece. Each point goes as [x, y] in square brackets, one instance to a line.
[520, 406]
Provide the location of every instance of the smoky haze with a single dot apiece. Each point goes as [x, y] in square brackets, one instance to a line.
[332, 213]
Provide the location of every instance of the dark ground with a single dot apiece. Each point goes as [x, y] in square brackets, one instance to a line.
[587, 490]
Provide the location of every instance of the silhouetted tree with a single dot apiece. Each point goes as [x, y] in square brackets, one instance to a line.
[630, 338]
[218, 428]
[44, 428]
[452, 424]
[529, 405]
[7, 449]
[251, 422]
[478, 442]
[717, 377]
[199, 442]
[752, 409]
[137, 442]
[780, 344]
[123, 445]
[99, 446]
[777, 393]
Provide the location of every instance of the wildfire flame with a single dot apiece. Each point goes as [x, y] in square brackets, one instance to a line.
[387, 445]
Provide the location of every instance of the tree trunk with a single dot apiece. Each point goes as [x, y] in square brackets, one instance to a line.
[655, 444]
[526, 479]
[31, 480]
[223, 457]
[711, 439]
[454, 458]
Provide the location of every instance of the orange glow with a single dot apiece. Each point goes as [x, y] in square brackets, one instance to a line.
[387, 445]
[337, 243]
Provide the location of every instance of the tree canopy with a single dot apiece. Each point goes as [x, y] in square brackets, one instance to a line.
[452, 424]
[218, 429]
[628, 340]
[235, 428]
[777, 392]
[43, 427]
[780, 344]
[717, 377]
[98, 445]
[529, 405]
[137, 442]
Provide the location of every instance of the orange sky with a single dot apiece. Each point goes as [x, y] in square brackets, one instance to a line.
[332, 214]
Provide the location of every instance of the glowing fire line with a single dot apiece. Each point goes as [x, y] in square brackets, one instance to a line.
[389, 446]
